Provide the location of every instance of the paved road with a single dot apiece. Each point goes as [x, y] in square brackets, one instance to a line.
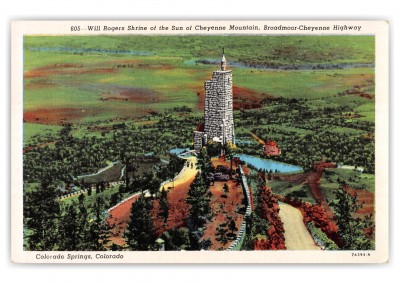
[296, 234]
[188, 172]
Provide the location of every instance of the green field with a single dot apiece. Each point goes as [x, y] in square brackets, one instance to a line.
[300, 191]
[31, 131]
[354, 179]
[110, 174]
[329, 182]
[278, 49]
[367, 111]
[33, 128]
[350, 131]
[302, 84]
[97, 79]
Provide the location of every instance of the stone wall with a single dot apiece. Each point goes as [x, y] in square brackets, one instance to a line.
[198, 140]
[237, 244]
[218, 107]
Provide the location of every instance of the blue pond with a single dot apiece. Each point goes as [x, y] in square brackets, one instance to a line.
[178, 151]
[258, 163]
[266, 164]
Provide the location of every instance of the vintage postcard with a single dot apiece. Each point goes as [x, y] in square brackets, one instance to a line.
[200, 142]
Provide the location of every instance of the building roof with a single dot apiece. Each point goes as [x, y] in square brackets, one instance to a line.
[271, 142]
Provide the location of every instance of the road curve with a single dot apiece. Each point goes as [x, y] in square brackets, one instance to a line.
[296, 234]
[188, 172]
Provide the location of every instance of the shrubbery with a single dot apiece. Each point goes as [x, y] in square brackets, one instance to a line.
[321, 237]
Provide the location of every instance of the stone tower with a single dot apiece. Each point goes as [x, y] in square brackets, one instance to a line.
[218, 108]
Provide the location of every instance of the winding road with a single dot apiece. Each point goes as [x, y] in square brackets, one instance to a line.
[188, 172]
[296, 234]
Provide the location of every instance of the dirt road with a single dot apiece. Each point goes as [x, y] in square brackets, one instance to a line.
[313, 181]
[296, 234]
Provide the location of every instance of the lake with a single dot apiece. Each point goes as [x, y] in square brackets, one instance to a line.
[177, 151]
[268, 164]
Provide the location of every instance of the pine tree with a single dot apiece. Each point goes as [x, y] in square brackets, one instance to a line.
[41, 214]
[226, 188]
[351, 229]
[153, 184]
[204, 163]
[232, 226]
[140, 234]
[164, 205]
[199, 201]
[98, 206]
[96, 235]
[221, 234]
[70, 229]
[96, 230]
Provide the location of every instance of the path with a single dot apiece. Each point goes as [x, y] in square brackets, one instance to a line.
[347, 167]
[296, 234]
[30, 148]
[188, 172]
[258, 139]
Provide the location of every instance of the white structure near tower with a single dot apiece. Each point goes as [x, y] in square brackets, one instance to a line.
[218, 109]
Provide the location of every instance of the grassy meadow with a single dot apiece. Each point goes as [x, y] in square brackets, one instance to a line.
[32, 130]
